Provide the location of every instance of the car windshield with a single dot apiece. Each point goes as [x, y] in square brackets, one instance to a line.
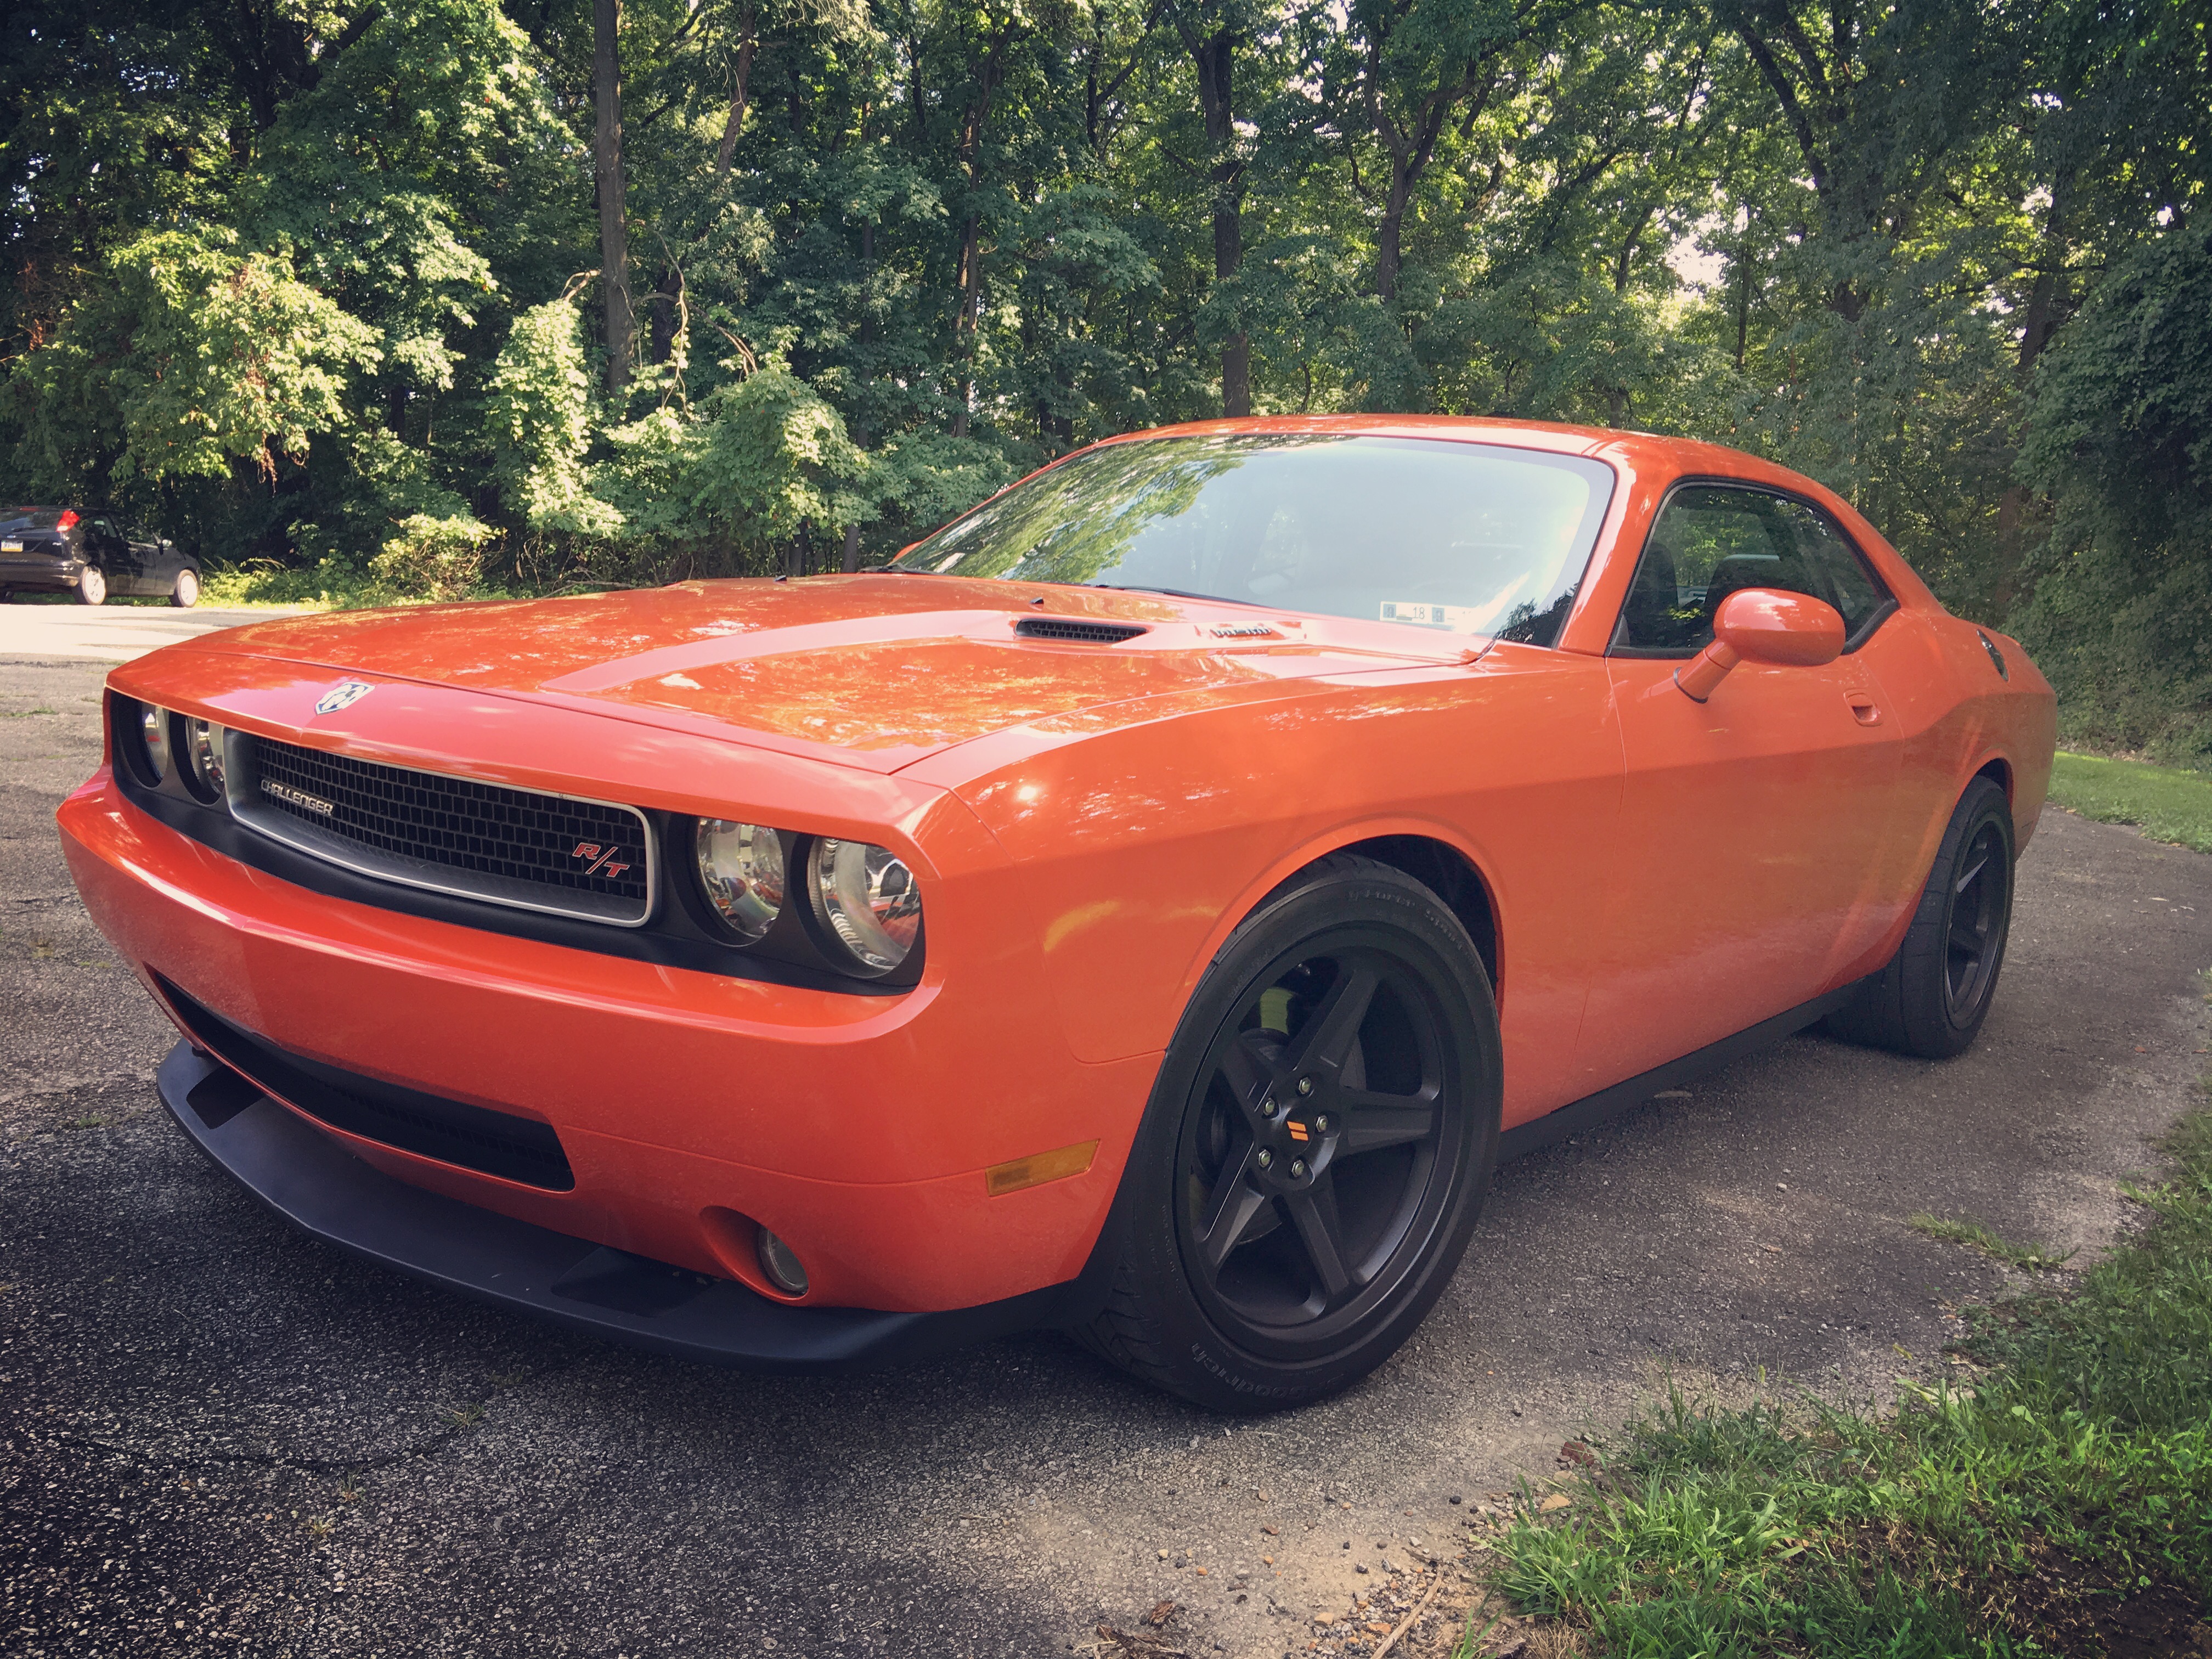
[29, 517]
[1469, 538]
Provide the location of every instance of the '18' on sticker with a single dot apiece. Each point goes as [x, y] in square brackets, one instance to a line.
[1459, 618]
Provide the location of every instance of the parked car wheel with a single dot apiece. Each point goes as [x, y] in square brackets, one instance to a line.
[1931, 998]
[186, 593]
[91, 587]
[1316, 1149]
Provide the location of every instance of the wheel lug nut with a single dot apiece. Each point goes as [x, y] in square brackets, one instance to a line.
[1264, 1158]
[1298, 1169]
[1321, 1123]
[1305, 1086]
[1267, 1106]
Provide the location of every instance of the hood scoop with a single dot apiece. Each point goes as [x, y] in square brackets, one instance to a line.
[1070, 631]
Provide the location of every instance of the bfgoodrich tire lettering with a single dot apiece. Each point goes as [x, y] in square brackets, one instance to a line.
[1315, 1150]
[1932, 997]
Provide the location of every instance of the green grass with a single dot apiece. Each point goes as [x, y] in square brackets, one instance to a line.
[2035, 1258]
[2168, 803]
[2061, 1503]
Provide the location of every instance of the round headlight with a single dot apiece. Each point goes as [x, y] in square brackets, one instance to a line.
[203, 757]
[867, 900]
[741, 868]
[154, 739]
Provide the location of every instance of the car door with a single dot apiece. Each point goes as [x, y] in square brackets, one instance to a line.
[150, 560]
[107, 546]
[1753, 825]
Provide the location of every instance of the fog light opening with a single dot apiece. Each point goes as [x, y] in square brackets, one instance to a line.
[781, 1263]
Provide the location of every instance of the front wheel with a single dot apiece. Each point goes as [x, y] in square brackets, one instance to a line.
[1317, 1148]
[91, 585]
[1932, 997]
[186, 593]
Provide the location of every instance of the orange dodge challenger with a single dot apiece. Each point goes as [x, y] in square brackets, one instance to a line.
[1151, 906]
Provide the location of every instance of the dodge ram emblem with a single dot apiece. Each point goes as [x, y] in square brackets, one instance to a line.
[343, 695]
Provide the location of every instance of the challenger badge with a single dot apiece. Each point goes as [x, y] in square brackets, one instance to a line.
[343, 695]
[299, 797]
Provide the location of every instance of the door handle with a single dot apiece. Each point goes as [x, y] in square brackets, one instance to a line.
[1864, 709]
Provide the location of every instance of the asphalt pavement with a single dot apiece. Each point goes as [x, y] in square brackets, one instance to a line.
[216, 1437]
[51, 632]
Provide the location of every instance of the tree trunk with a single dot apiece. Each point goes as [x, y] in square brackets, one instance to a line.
[1215, 58]
[969, 282]
[747, 42]
[1389, 233]
[852, 559]
[968, 278]
[2039, 322]
[1743, 295]
[665, 297]
[607, 176]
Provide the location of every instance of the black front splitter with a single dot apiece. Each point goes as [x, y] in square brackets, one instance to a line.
[317, 1186]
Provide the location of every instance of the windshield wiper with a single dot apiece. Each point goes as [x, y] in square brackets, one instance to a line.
[1172, 592]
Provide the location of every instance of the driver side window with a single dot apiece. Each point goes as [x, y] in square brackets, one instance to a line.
[1711, 539]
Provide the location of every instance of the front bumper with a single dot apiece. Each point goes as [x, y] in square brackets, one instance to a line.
[308, 1179]
[690, 1107]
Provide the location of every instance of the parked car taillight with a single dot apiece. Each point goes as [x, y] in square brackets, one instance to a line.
[67, 519]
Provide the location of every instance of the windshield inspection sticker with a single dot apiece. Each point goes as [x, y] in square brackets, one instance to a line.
[1459, 618]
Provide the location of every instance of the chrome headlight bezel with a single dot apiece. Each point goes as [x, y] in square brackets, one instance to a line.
[203, 761]
[742, 869]
[867, 905]
[145, 735]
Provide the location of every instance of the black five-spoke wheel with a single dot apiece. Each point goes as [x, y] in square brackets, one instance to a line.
[1315, 1140]
[1932, 996]
[1316, 1149]
[1981, 891]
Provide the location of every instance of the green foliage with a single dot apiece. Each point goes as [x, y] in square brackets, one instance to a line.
[432, 557]
[2121, 620]
[538, 414]
[2071, 1481]
[886, 255]
[194, 355]
[2029, 1257]
[774, 455]
[2169, 804]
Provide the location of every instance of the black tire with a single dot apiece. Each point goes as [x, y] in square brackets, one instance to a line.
[1279, 1245]
[1932, 998]
[91, 585]
[186, 593]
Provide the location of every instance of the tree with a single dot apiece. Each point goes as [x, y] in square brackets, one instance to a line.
[607, 184]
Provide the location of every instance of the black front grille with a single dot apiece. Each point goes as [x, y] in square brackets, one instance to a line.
[451, 1131]
[511, 845]
[1081, 633]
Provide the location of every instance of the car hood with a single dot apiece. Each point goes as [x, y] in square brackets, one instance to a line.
[874, 670]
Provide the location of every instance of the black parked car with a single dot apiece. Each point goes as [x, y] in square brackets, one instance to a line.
[91, 554]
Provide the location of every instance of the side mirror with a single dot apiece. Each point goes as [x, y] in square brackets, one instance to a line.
[1763, 624]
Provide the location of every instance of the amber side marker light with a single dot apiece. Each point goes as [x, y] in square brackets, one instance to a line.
[1037, 1168]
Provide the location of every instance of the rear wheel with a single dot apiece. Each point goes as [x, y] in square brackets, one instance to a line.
[91, 587]
[186, 593]
[1317, 1148]
[1931, 998]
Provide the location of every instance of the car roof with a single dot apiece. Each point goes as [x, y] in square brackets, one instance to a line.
[1649, 452]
